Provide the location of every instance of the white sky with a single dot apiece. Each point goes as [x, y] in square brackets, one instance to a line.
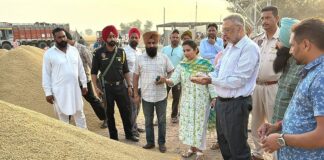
[96, 14]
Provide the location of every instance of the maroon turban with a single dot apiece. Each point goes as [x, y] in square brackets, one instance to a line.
[134, 30]
[106, 31]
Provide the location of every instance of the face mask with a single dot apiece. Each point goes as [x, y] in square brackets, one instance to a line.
[152, 51]
[112, 43]
[62, 44]
[280, 62]
[133, 44]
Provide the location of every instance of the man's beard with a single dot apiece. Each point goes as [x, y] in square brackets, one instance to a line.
[280, 63]
[112, 43]
[151, 51]
[133, 44]
[61, 44]
[175, 43]
[211, 36]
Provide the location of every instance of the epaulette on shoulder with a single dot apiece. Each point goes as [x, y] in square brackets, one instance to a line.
[258, 35]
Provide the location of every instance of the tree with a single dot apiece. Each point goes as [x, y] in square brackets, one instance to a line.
[126, 26]
[148, 26]
[88, 31]
[299, 9]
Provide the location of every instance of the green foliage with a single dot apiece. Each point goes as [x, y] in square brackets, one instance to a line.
[299, 9]
[138, 24]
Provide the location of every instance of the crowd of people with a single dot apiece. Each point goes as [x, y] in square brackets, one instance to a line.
[276, 76]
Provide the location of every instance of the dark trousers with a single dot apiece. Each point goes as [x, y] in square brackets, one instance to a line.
[176, 93]
[148, 109]
[95, 102]
[231, 124]
[118, 94]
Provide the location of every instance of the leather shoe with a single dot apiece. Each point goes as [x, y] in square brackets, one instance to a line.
[104, 124]
[149, 146]
[162, 148]
[141, 130]
[133, 138]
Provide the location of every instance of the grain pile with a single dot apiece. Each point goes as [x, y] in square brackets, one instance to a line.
[26, 134]
[3, 52]
[20, 79]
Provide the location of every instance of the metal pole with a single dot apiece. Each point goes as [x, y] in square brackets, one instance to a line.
[164, 36]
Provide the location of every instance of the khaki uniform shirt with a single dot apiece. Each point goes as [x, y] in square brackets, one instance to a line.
[267, 56]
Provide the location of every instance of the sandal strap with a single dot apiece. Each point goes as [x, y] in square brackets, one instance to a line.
[200, 153]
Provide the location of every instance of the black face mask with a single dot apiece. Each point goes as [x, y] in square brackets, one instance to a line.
[152, 51]
[133, 44]
[61, 44]
[281, 60]
[112, 43]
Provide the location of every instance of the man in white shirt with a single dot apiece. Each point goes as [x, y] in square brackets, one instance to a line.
[62, 67]
[132, 52]
[234, 78]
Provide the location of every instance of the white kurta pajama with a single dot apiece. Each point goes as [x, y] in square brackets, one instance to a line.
[61, 74]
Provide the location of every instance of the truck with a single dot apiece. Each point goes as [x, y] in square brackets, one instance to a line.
[35, 34]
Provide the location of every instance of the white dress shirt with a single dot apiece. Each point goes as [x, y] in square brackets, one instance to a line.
[235, 74]
[131, 56]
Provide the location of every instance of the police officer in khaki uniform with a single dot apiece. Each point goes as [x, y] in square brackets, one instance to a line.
[115, 89]
[264, 94]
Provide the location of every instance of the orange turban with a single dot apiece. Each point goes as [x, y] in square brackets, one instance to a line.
[106, 31]
[151, 35]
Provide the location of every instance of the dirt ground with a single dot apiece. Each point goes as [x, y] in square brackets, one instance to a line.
[173, 144]
[20, 84]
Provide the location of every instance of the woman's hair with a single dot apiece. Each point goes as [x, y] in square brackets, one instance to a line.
[192, 44]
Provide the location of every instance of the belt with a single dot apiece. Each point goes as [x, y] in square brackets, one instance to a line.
[229, 99]
[266, 83]
[117, 83]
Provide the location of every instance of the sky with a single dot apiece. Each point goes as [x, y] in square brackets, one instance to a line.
[96, 14]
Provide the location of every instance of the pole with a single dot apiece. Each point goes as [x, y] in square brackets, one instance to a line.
[164, 36]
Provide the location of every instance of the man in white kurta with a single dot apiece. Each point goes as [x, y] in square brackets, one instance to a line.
[62, 66]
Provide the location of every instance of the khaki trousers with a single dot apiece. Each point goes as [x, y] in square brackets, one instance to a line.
[263, 100]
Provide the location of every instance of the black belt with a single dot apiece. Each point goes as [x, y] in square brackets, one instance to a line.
[117, 83]
[229, 99]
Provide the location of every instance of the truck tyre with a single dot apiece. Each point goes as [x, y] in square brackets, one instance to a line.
[52, 44]
[6, 46]
[42, 45]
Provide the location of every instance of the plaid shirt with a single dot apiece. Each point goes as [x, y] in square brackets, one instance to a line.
[148, 69]
[86, 58]
[287, 84]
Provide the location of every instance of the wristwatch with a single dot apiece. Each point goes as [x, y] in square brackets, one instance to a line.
[281, 140]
